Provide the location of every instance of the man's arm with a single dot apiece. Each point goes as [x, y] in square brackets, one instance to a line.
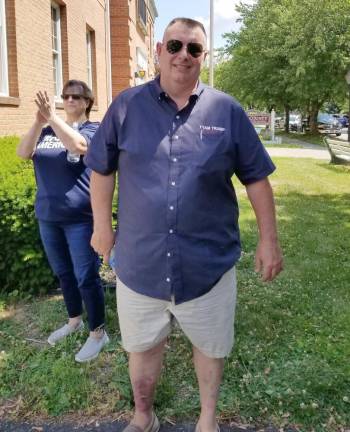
[268, 258]
[102, 190]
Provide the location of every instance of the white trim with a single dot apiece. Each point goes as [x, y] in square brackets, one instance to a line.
[4, 83]
[141, 64]
[108, 53]
[57, 53]
[89, 58]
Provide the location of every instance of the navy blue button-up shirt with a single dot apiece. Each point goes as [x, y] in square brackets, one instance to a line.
[177, 208]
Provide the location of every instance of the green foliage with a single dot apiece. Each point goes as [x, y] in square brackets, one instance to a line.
[289, 366]
[205, 75]
[23, 266]
[289, 53]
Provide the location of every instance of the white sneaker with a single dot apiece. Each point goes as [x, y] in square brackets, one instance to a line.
[91, 348]
[62, 332]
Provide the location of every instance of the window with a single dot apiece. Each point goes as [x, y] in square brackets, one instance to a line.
[141, 72]
[142, 12]
[4, 85]
[89, 57]
[91, 60]
[56, 49]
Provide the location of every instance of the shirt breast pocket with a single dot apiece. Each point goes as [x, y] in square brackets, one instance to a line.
[213, 151]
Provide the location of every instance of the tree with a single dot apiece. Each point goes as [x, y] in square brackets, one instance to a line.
[289, 53]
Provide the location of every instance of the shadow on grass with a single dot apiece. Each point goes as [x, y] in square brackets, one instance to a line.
[293, 335]
[290, 361]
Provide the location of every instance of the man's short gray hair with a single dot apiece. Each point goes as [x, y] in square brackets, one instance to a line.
[189, 22]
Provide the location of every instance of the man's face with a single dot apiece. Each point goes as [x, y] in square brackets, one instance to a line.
[181, 67]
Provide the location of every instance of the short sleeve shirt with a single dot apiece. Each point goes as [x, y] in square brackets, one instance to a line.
[63, 187]
[177, 208]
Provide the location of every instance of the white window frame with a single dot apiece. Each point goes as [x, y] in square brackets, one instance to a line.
[141, 59]
[89, 58]
[4, 83]
[57, 53]
[142, 7]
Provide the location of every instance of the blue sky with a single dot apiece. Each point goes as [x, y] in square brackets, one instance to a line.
[224, 12]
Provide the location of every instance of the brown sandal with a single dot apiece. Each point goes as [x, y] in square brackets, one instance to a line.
[198, 429]
[154, 426]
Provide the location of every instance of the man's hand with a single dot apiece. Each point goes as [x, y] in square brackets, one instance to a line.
[268, 260]
[101, 189]
[102, 241]
[45, 105]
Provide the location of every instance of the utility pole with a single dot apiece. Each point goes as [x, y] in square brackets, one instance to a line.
[211, 53]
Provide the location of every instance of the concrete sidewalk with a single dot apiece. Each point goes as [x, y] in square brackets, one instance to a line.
[115, 427]
[320, 153]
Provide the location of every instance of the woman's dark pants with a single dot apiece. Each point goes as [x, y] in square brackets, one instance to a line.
[75, 263]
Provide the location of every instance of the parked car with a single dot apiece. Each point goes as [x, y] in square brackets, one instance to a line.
[295, 123]
[328, 124]
[279, 122]
[343, 119]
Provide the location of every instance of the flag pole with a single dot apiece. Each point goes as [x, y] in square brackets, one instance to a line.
[211, 52]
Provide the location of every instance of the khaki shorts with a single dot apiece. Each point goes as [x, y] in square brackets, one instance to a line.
[207, 321]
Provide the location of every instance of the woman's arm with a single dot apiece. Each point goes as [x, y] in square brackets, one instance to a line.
[26, 147]
[71, 139]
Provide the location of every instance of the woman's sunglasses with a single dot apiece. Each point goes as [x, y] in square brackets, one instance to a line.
[195, 49]
[73, 96]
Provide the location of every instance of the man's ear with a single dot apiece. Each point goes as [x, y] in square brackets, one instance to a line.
[205, 55]
[159, 48]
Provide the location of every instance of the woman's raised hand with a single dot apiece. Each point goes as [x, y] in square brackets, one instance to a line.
[45, 105]
[40, 119]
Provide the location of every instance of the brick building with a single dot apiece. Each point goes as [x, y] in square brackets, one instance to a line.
[43, 43]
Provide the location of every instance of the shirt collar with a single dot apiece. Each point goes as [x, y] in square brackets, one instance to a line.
[160, 94]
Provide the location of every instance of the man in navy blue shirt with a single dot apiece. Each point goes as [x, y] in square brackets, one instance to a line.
[176, 143]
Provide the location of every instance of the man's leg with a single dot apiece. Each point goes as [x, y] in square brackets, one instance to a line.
[209, 375]
[144, 369]
[144, 325]
[208, 322]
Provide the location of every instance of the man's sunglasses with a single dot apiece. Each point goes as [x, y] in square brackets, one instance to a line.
[73, 96]
[195, 49]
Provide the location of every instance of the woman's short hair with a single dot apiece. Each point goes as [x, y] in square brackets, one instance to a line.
[85, 92]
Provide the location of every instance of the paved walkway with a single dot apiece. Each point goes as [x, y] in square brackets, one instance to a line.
[308, 150]
[298, 153]
[114, 427]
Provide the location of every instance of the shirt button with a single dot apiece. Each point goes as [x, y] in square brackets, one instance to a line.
[168, 279]
[174, 159]
[177, 117]
[171, 207]
[176, 137]
[173, 183]
[168, 254]
[171, 231]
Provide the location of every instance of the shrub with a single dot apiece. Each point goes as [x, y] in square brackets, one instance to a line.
[23, 264]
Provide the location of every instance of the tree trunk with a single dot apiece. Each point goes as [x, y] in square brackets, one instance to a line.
[286, 121]
[315, 106]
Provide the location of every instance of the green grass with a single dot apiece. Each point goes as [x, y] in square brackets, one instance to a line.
[290, 364]
[306, 137]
